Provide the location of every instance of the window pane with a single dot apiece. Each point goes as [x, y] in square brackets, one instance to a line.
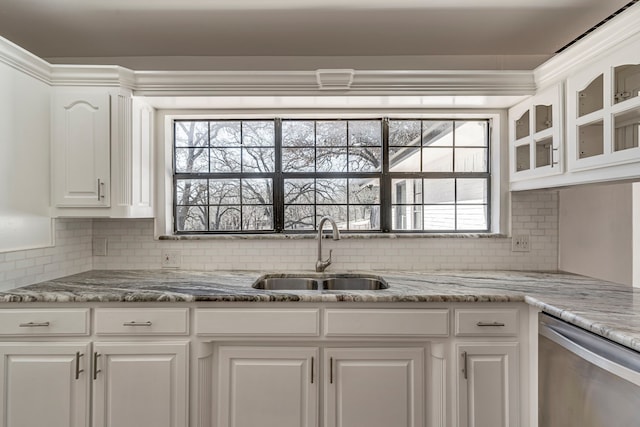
[224, 191]
[225, 134]
[404, 159]
[471, 160]
[331, 134]
[331, 159]
[406, 217]
[437, 133]
[258, 159]
[299, 191]
[191, 192]
[331, 191]
[365, 132]
[364, 217]
[437, 159]
[298, 159]
[406, 191]
[364, 191]
[438, 191]
[365, 159]
[471, 134]
[439, 217]
[337, 212]
[225, 160]
[192, 160]
[298, 133]
[191, 134]
[224, 218]
[257, 218]
[261, 134]
[191, 218]
[472, 217]
[404, 132]
[299, 217]
[472, 191]
[257, 191]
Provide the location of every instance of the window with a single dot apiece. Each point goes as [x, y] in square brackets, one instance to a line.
[374, 175]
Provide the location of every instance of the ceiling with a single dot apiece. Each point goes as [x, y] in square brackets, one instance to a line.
[122, 32]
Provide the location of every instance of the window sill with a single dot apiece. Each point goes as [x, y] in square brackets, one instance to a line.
[344, 235]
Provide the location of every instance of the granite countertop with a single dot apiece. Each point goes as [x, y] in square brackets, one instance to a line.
[607, 309]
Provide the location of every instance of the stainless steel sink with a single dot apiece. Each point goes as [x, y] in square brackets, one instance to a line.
[334, 282]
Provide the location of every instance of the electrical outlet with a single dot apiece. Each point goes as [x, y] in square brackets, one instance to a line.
[99, 246]
[520, 243]
[171, 259]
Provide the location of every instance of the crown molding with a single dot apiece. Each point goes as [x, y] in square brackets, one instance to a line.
[92, 75]
[624, 28]
[24, 61]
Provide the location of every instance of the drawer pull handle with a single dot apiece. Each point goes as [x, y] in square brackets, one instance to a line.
[464, 365]
[96, 371]
[34, 324]
[134, 323]
[490, 324]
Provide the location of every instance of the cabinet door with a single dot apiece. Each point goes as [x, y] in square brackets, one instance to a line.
[44, 384]
[267, 386]
[488, 387]
[374, 387]
[81, 149]
[140, 385]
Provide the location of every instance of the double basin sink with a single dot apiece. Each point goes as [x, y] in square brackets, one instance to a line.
[328, 282]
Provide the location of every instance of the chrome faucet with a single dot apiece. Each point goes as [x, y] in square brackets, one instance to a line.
[320, 264]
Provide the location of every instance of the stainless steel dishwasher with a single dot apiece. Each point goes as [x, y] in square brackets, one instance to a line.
[585, 380]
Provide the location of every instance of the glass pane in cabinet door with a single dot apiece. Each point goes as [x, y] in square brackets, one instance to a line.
[626, 126]
[523, 158]
[544, 149]
[627, 82]
[544, 115]
[590, 140]
[522, 125]
[591, 97]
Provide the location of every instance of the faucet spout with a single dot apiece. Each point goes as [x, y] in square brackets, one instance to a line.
[321, 264]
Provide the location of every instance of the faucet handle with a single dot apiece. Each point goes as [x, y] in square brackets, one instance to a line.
[329, 259]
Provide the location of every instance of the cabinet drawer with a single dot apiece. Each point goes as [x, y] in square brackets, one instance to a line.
[274, 322]
[387, 322]
[44, 322]
[148, 321]
[494, 322]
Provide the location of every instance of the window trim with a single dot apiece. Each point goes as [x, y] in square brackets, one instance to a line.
[498, 195]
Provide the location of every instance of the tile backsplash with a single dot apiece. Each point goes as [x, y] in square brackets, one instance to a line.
[131, 245]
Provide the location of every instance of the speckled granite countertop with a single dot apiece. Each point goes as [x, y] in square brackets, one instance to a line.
[610, 310]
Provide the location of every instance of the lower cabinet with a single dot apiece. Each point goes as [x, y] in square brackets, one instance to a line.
[278, 386]
[488, 389]
[44, 384]
[140, 384]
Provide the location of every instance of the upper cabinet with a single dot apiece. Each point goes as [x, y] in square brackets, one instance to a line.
[102, 161]
[535, 136]
[603, 112]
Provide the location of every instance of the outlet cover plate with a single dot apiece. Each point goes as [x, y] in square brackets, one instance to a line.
[171, 259]
[520, 243]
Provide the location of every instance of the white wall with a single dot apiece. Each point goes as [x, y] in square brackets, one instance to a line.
[24, 161]
[131, 245]
[596, 232]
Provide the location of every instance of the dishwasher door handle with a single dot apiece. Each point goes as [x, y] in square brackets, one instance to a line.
[588, 351]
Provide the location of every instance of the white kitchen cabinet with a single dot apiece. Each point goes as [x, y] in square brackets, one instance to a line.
[140, 384]
[44, 384]
[81, 168]
[374, 387]
[102, 145]
[488, 385]
[536, 136]
[267, 386]
[603, 112]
